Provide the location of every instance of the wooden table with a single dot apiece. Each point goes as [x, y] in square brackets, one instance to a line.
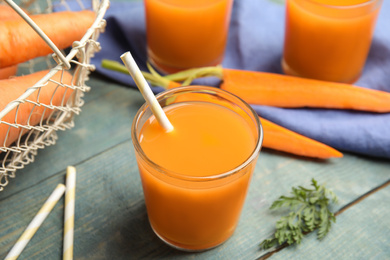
[111, 220]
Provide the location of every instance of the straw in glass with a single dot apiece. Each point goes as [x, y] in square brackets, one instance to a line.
[146, 92]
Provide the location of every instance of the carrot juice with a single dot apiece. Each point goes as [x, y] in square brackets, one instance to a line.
[328, 39]
[186, 34]
[195, 178]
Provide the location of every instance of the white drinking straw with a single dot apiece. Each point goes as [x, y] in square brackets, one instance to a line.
[146, 92]
[69, 213]
[36, 222]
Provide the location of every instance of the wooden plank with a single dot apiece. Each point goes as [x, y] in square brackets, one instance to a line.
[111, 221]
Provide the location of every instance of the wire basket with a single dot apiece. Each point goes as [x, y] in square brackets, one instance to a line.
[23, 138]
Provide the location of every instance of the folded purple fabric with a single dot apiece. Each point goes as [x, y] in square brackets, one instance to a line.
[256, 43]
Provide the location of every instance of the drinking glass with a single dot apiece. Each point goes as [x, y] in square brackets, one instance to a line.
[328, 39]
[195, 212]
[186, 34]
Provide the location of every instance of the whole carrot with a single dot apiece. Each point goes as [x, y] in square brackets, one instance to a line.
[275, 136]
[288, 91]
[7, 13]
[19, 42]
[7, 72]
[261, 88]
[28, 113]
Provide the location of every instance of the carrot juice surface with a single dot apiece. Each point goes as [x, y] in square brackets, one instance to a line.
[207, 140]
[328, 39]
[186, 34]
[196, 177]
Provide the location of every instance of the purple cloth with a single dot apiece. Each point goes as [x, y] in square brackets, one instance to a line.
[256, 43]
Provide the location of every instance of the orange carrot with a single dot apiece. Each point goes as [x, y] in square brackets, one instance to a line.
[282, 139]
[19, 42]
[261, 88]
[7, 13]
[29, 113]
[287, 91]
[275, 136]
[7, 72]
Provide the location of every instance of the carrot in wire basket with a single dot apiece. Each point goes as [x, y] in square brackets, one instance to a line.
[20, 43]
[28, 112]
[7, 72]
[7, 13]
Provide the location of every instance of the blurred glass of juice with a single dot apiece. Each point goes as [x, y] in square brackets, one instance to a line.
[195, 178]
[184, 34]
[328, 39]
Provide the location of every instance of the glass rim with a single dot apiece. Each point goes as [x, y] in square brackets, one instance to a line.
[346, 7]
[183, 177]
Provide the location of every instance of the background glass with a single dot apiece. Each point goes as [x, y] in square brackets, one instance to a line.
[328, 42]
[186, 34]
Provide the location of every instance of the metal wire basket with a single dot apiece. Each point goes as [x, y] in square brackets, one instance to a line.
[15, 154]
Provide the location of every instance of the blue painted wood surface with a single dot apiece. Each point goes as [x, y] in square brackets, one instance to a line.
[111, 220]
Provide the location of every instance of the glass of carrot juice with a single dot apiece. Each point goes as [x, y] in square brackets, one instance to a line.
[184, 34]
[328, 39]
[195, 178]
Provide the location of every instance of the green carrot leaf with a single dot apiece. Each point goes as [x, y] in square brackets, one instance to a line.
[309, 210]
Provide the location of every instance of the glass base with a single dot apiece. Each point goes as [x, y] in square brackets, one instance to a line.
[184, 247]
[164, 69]
[289, 71]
